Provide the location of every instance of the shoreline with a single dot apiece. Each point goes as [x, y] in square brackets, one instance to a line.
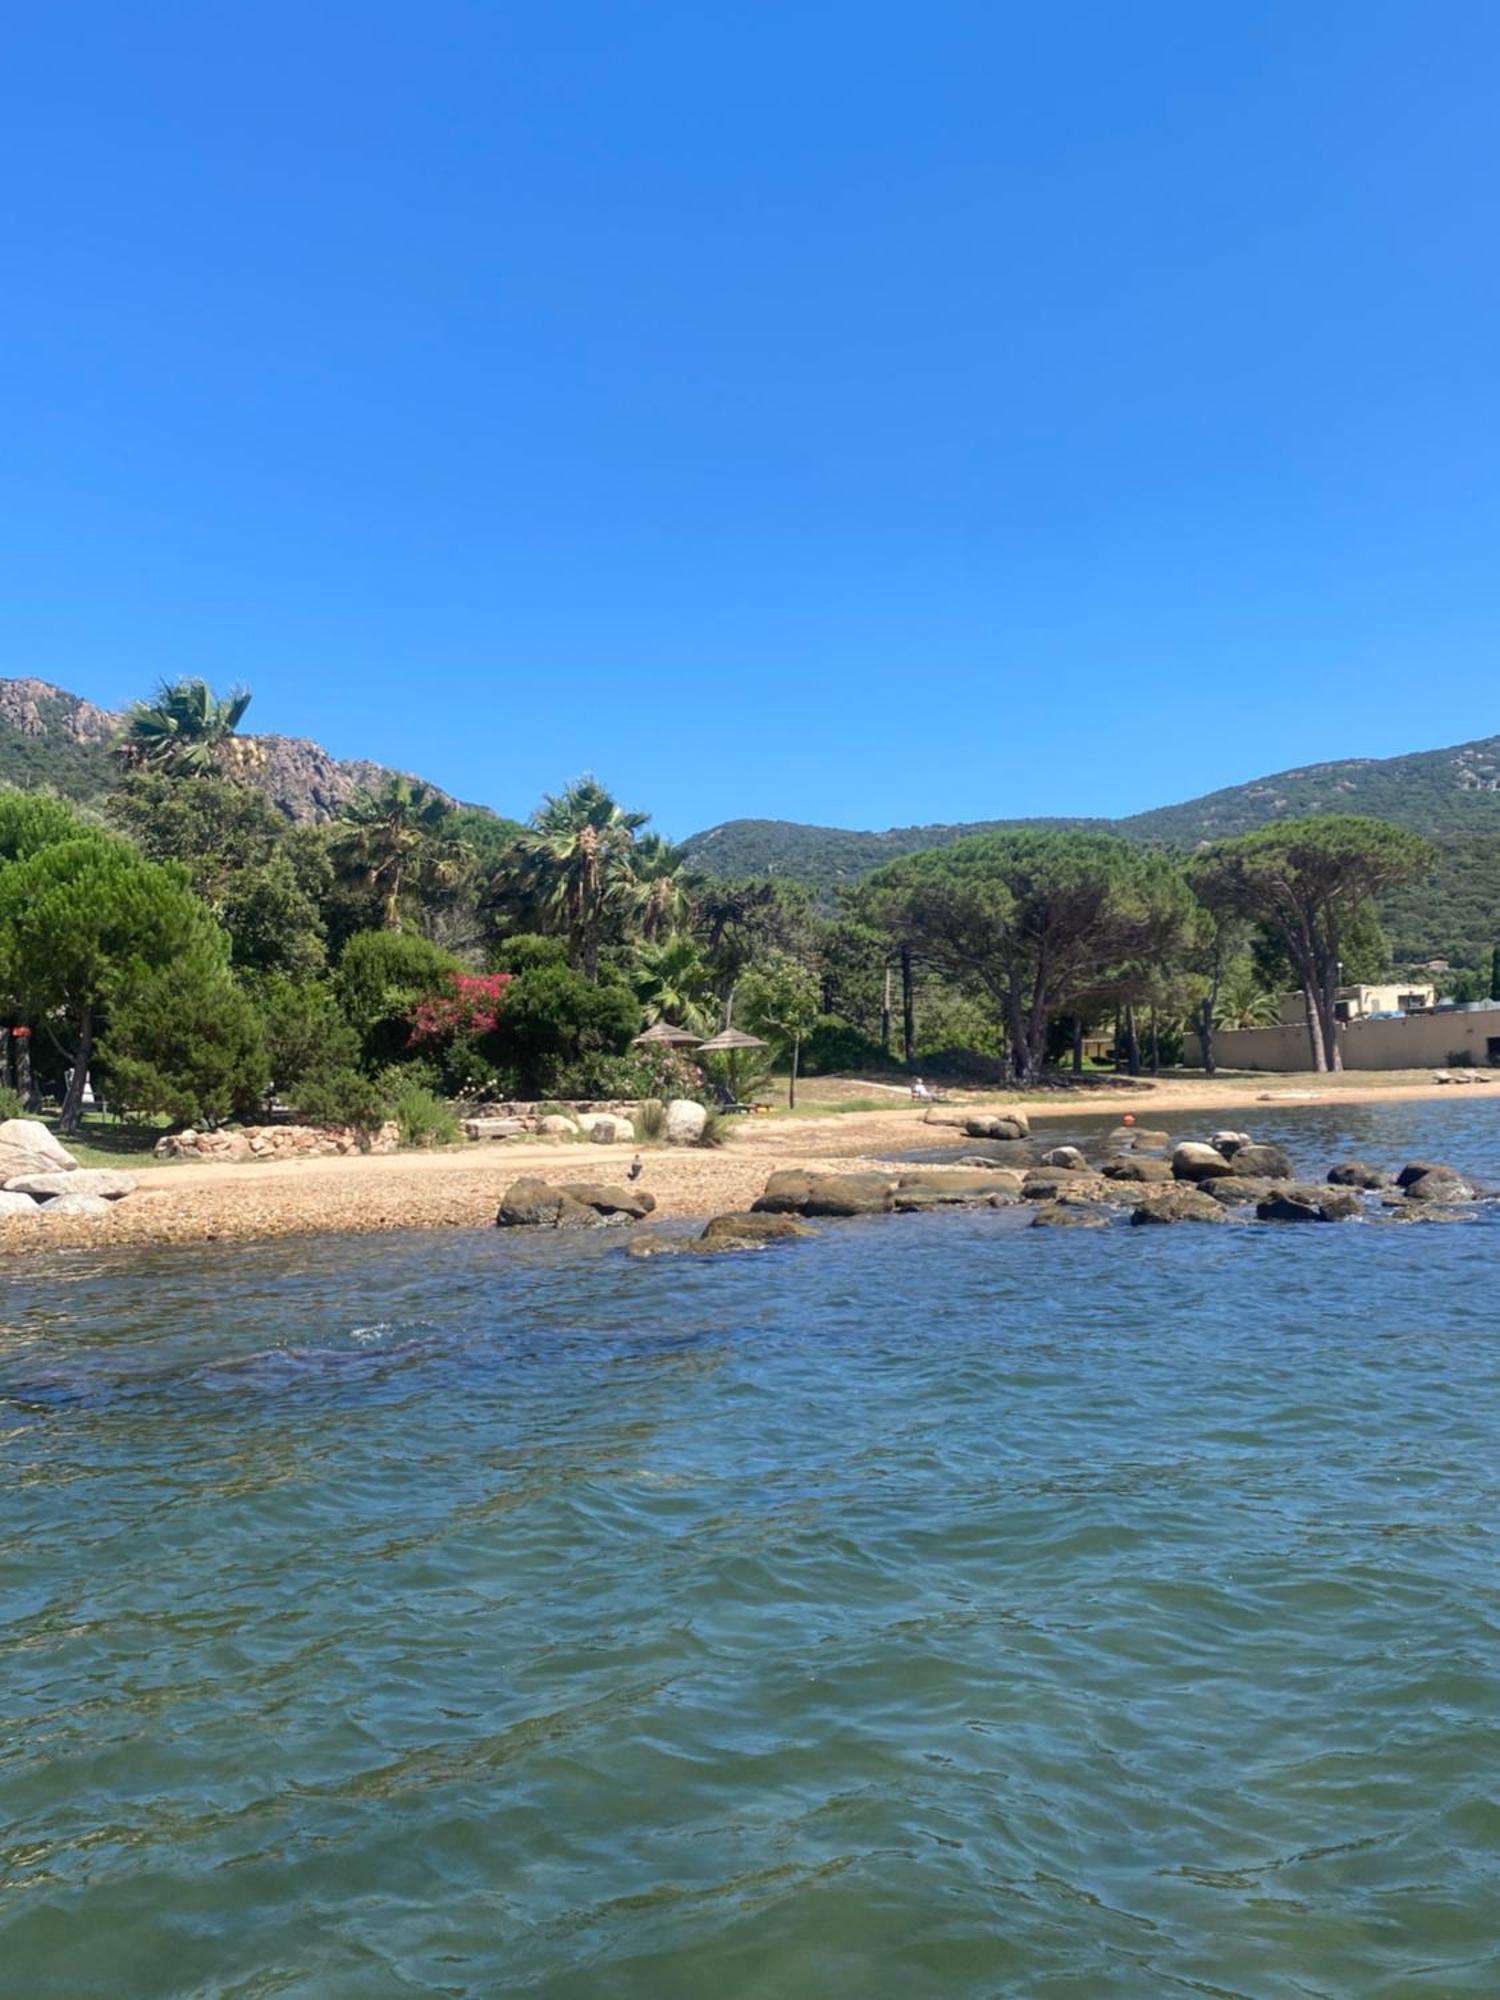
[371, 1194]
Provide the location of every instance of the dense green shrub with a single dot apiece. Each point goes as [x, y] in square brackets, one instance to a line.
[342, 1097]
[529, 952]
[382, 977]
[837, 1048]
[10, 1102]
[306, 1034]
[557, 1030]
[425, 1118]
[184, 1042]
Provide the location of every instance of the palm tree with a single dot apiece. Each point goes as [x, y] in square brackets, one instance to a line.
[1244, 1002]
[576, 866]
[184, 730]
[397, 839]
[674, 983]
[661, 887]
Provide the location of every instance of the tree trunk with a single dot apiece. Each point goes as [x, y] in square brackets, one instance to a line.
[791, 1087]
[1206, 1035]
[1132, 1041]
[1155, 1045]
[908, 1008]
[1495, 973]
[1119, 1044]
[26, 1088]
[72, 1107]
[1078, 1045]
[885, 1011]
[1314, 1028]
[4, 1058]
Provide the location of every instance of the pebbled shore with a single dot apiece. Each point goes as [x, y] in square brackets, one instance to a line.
[461, 1188]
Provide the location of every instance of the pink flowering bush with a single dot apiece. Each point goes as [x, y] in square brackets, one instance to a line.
[465, 1008]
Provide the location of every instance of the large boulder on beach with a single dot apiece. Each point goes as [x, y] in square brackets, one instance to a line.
[605, 1127]
[1007, 1125]
[1262, 1162]
[553, 1125]
[27, 1147]
[18, 1204]
[794, 1191]
[1178, 1204]
[1137, 1170]
[106, 1182]
[611, 1200]
[532, 1204]
[76, 1204]
[685, 1122]
[1357, 1174]
[1192, 1161]
[1310, 1204]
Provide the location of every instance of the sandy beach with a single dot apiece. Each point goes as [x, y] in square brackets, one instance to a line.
[460, 1188]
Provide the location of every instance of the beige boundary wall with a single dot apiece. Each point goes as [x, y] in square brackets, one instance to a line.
[1417, 1041]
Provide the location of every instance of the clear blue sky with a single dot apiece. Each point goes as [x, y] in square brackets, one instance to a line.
[842, 412]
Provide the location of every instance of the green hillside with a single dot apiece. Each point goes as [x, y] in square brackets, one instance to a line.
[1452, 796]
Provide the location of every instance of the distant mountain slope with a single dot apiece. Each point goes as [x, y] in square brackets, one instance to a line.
[51, 738]
[1442, 793]
[1452, 796]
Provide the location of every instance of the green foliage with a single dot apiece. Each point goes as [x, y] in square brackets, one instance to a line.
[425, 1118]
[184, 1042]
[399, 844]
[306, 1032]
[718, 1126]
[1042, 923]
[650, 1119]
[184, 729]
[557, 1028]
[11, 1105]
[342, 1097]
[573, 870]
[381, 977]
[30, 821]
[837, 1048]
[529, 951]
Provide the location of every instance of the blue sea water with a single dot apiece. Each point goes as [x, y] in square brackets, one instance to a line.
[939, 1607]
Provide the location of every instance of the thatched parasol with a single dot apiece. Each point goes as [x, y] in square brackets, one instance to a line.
[664, 1035]
[730, 1040]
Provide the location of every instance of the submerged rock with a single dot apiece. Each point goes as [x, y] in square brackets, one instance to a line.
[1132, 1169]
[723, 1234]
[1178, 1204]
[1441, 1184]
[1138, 1139]
[1069, 1215]
[1310, 1204]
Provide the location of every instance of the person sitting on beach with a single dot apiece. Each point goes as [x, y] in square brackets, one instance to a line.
[920, 1091]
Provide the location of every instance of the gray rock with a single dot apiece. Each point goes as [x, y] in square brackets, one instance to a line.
[493, 1128]
[1441, 1185]
[685, 1122]
[1260, 1162]
[531, 1204]
[605, 1127]
[1357, 1174]
[18, 1204]
[1239, 1190]
[959, 1184]
[792, 1191]
[1068, 1215]
[1194, 1162]
[27, 1147]
[1048, 1183]
[76, 1204]
[1133, 1169]
[555, 1126]
[724, 1235]
[106, 1182]
[1310, 1204]
[1138, 1139]
[1178, 1204]
[1065, 1156]
[1229, 1143]
[1009, 1125]
[609, 1200]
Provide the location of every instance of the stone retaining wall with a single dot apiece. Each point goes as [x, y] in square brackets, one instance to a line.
[277, 1142]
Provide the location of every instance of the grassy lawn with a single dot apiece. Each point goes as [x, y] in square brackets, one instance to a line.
[110, 1142]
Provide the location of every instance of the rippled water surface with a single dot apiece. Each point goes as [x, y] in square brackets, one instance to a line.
[937, 1608]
